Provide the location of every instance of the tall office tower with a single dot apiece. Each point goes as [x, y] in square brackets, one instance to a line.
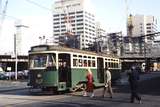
[143, 25]
[80, 20]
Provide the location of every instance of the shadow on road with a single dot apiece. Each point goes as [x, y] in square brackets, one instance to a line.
[147, 87]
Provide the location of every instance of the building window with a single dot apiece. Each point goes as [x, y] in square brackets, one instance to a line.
[148, 31]
[79, 12]
[79, 32]
[56, 34]
[62, 26]
[63, 29]
[148, 24]
[71, 13]
[79, 28]
[56, 23]
[56, 15]
[56, 26]
[79, 16]
[78, 24]
[56, 19]
[79, 20]
[148, 27]
[56, 30]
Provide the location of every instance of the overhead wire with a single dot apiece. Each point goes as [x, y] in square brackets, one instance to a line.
[31, 2]
[40, 6]
[12, 17]
[37, 4]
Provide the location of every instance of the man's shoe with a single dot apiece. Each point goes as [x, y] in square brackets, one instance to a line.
[85, 94]
[131, 101]
[92, 95]
[140, 102]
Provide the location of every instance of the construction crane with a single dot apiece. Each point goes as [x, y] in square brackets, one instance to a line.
[67, 19]
[69, 38]
[129, 27]
[3, 14]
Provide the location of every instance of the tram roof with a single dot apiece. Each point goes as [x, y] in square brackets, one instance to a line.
[66, 49]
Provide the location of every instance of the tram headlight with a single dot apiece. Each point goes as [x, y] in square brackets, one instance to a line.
[39, 81]
[39, 75]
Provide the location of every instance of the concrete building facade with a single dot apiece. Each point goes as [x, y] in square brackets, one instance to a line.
[143, 25]
[81, 18]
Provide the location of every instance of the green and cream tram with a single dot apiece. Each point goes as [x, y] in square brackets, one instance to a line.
[59, 68]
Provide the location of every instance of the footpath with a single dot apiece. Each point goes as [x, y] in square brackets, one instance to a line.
[8, 85]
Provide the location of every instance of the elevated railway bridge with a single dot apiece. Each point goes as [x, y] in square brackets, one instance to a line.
[149, 62]
[9, 61]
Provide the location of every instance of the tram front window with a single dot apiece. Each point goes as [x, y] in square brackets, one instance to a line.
[37, 61]
[42, 60]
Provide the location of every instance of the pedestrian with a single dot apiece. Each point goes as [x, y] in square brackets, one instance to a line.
[133, 77]
[107, 80]
[89, 84]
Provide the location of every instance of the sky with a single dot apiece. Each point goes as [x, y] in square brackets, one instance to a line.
[111, 14]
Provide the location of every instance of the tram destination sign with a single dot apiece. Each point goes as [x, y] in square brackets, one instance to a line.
[40, 48]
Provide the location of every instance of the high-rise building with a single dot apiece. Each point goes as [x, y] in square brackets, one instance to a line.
[143, 25]
[81, 18]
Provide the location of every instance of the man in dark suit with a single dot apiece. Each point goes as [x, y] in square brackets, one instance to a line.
[133, 77]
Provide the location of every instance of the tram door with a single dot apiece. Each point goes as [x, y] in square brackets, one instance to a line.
[100, 70]
[64, 68]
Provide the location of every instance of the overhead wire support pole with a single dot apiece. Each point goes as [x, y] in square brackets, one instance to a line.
[3, 14]
[16, 48]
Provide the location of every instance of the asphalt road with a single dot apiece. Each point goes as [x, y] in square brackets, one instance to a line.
[149, 90]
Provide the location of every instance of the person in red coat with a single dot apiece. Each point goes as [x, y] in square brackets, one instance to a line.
[89, 84]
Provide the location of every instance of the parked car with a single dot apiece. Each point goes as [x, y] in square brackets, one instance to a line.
[2, 76]
[10, 75]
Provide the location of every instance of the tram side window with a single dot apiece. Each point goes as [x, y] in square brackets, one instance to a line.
[93, 63]
[106, 65]
[109, 64]
[75, 62]
[85, 63]
[80, 62]
[112, 65]
[89, 63]
[115, 65]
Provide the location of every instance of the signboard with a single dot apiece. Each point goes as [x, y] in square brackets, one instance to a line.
[39, 48]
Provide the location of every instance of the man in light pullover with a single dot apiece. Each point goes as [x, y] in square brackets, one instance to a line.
[107, 80]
